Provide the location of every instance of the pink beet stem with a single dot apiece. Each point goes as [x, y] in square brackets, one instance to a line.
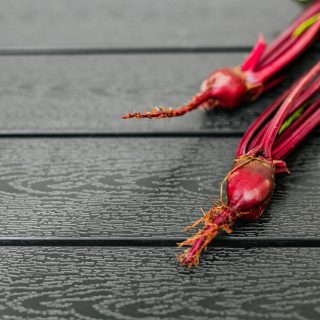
[256, 141]
[252, 138]
[255, 126]
[287, 146]
[307, 94]
[278, 53]
[273, 83]
[296, 124]
[281, 167]
[253, 58]
[276, 122]
[304, 40]
[280, 40]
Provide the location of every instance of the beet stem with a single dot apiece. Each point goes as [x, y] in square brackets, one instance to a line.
[294, 126]
[256, 125]
[304, 40]
[276, 122]
[278, 42]
[253, 58]
[289, 144]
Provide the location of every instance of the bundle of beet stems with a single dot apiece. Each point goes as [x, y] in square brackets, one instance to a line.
[259, 157]
[229, 87]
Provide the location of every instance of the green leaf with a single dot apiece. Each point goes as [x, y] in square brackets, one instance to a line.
[291, 119]
[305, 25]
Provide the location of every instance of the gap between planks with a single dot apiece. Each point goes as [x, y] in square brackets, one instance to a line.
[36, 51]
[118, 51]
[10, 134]
[99, 134]
[158, 242]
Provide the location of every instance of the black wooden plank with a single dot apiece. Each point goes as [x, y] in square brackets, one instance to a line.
[140, 188]
[151, 23]
[88, 94]
[147, 283]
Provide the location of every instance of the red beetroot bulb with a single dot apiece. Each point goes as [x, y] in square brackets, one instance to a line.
[250, 185]
[230, 87]
[227, 86]
[259, 157]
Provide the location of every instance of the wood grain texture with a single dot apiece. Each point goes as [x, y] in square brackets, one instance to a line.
[148, 23]
[136, 187]
[140, 188]
[147, 283]
[89, 93]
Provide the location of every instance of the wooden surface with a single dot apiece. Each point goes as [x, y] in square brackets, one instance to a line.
[144, 283]
[88, 93]
[140, 23]
[140, 188]
[92, 206]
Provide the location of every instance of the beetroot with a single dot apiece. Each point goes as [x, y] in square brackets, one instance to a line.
[250, 186]
[230, 87]
[259, 157]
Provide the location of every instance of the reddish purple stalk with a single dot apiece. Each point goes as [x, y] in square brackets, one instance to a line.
[230, 87]
[259, 157]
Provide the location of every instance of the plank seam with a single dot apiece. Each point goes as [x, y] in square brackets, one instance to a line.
[35, 51]
[149, 242]
[160, 134]
[119, 51]
[76, 135]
